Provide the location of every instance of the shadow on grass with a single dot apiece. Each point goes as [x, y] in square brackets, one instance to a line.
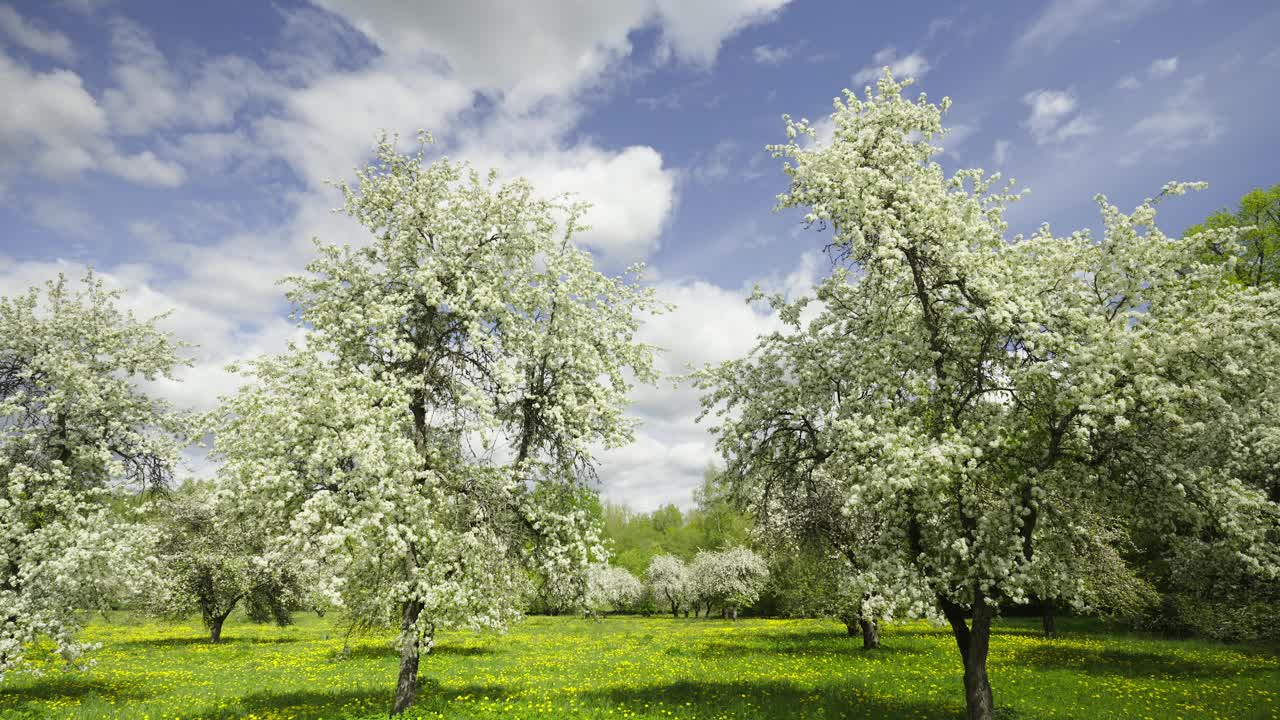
[318, 704]
[67, 687]
[825, 647]
[769, 699]
[227, 640]
[381, 651]
[1123, 663]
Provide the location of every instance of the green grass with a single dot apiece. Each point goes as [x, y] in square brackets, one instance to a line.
[648, 668]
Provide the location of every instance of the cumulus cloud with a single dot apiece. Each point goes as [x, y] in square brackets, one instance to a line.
[914, 65]
[35, 38]
[48, 120]
[508, 95]
[1052, 120]
[53, 127]
[1163, 67]
[710, 324]
[544, 47]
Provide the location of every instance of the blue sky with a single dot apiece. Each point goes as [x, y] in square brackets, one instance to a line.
[182, 148]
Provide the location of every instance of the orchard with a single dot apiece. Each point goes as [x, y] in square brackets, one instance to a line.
[486, 464]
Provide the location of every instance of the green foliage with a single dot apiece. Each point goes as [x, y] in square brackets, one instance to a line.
[801, 584]
[211, 560]
[716, 523]
[1259, 258]
[1229, 620]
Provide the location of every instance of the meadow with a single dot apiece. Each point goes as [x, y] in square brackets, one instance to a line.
[633, 667]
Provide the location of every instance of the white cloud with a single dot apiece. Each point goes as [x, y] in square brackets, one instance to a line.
[957, 134]
[1000, 153]
[914, 65]
[1163, 67]
[631, 193]
[150, 94]
[1186, 120]
[544, 47]
[48, 121]
[650, 472]
[144, 168]
[1050, 110]
[716, 163]
[34, 38]
[146, 91]
[328, 129]
[217, 339]
[53, 127]
[769, 55]
[213, 152]
[61, 216]
[1078, 126]
[1064, 19]
[824, 129]
[1128, 82]
[508, 95]
[710, 324]
[695, 30]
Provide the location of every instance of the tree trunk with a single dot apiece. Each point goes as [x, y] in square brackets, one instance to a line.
[215, 629]
[1047, 608]
[851, 626]
[407, 684]
[735, 613]
[973, 644]
[870, 634]
[675, 610]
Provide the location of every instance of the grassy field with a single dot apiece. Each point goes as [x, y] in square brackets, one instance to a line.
[628, 667]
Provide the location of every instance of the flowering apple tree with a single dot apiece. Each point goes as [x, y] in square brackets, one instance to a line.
[212, 559]
[468, 354]
[610, 588]
[74, 428]
[991, 390]
[668, 581]
[732, 578]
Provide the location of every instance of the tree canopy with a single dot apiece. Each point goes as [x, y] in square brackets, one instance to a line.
[468, 354]
[76, 424]
[972, 395]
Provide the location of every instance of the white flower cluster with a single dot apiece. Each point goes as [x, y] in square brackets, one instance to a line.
[972, 407]
[76, 425]
[732, 578]
[611, 588]
[469, 317]
[669, 582]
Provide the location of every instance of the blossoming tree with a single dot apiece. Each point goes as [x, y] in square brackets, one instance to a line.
[76, 426]
[987, 390]
[610, 588]
[776, 463]
[212, 559]
[732, 578]
[668, 580]
[469, 353]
